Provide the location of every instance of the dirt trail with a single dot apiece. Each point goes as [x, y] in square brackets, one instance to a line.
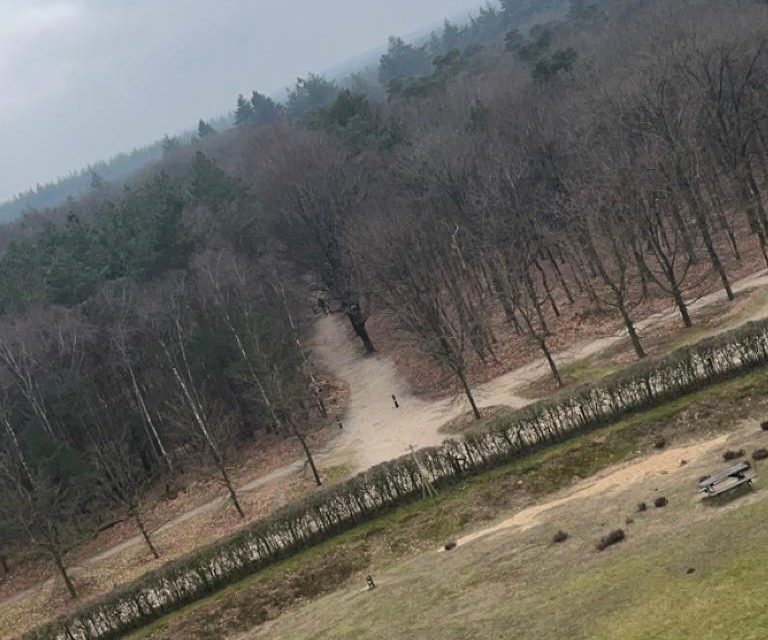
[617, 478]
[375, 431]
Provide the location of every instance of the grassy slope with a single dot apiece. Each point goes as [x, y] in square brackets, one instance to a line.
[523, 586]
[490, 591]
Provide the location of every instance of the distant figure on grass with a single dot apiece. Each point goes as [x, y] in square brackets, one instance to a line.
[369, 581]
[338, 422]
[394, 399]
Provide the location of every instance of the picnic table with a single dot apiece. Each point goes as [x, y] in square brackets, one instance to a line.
[727, 479]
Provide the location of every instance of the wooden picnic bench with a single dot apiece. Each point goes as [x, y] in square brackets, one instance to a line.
[727, 479]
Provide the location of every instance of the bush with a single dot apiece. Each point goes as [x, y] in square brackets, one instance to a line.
[764, 425]
[733, 454]
[560, 536]
[642, 507]
[660, 502]
[614, 537]
[451, 544]
[760, 454]
[660, 443]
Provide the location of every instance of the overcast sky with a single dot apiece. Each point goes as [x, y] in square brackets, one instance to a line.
[81, 80]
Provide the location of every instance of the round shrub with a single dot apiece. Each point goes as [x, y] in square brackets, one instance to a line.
[614, 537]
[560, 536]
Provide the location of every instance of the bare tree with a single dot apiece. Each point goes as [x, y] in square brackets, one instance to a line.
[120, 474]
[43, 505]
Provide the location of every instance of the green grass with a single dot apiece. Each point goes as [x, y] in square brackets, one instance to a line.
[649, 594]
[521, 586]
[393, 539]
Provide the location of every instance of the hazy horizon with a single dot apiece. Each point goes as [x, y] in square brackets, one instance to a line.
[84, 80]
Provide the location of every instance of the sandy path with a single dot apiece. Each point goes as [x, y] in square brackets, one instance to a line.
[375, 431]
[617, 478]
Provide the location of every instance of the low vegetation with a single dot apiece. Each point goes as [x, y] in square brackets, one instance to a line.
[425, 525]
[610, 539]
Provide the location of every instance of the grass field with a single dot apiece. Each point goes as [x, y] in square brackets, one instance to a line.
[522, 585]
[516, 582]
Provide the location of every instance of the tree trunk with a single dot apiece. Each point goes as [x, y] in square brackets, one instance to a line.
[358, 324]
[701, 222]
[632, 332]
[65, 576]
[559, 274]
[310, 460]
[550, 361]
[145, 535]
[682, 307]
[468, 393]
[545, 283]
[231, 491]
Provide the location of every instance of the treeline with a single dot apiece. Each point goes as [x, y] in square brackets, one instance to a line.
[362, 498]
[594, 163]
[54, 193]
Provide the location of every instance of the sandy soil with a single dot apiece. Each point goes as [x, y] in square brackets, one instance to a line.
[616, 479]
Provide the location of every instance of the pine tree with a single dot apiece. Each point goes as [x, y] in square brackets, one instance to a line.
[265, 110]
[204, 129]
[243, 112]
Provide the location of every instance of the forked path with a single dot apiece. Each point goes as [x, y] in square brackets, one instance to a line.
[375, 431]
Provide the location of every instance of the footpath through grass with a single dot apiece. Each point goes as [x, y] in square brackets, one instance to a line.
[384, 544]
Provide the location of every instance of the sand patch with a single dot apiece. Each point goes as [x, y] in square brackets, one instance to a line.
[617, 479]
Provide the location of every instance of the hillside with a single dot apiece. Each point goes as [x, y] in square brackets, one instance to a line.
[550, 196]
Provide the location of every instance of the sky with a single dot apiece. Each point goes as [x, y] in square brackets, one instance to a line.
[81, 80]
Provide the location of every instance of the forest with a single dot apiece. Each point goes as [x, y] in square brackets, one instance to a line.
[478, 191]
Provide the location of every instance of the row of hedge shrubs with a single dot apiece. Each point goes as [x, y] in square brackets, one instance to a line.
[342, 507]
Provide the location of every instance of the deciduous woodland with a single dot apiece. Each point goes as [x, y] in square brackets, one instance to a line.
[597, 157]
